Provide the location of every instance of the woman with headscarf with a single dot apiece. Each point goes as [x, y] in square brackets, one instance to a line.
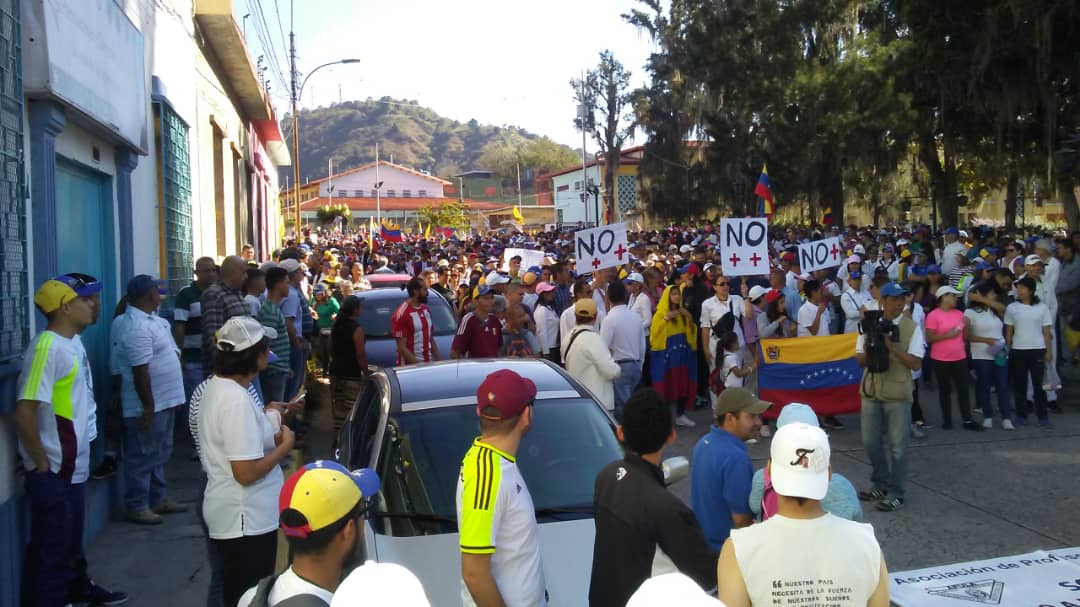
[673, 353]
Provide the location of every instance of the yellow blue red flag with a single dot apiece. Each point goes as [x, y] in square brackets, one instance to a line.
[764, 193]
[818, 371]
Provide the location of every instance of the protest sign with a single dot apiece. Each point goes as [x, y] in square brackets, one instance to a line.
[744, 246]
[529, 258]
[1036, 579]
[820, 254]
[602, 247]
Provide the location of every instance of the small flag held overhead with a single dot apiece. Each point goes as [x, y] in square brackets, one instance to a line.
[764, 193]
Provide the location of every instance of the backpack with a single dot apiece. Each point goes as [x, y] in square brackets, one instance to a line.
[718, 380]
[262, 596]
[726, 323]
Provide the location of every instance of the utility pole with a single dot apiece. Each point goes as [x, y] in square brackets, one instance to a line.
[584, 174]
[295, 120]
[519, 181]
[378, 187]
[330, 178]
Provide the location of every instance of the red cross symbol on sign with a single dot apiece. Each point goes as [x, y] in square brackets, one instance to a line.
[734, 259]
[596, 263]
[755, 258]
[619, 252]
[835, 251]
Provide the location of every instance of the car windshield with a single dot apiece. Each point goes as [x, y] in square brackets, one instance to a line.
[375, 315]
[569, 442]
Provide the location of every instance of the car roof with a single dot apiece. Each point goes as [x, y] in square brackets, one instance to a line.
[387, 277]
[395, 295]
[454, 382]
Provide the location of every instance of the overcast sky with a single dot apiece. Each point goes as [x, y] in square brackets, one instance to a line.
[498, 61]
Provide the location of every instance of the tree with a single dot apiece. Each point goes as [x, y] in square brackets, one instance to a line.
[328, 213]
[604, 95]
[446, 215]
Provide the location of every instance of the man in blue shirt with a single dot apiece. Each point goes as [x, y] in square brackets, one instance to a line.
[722, 473]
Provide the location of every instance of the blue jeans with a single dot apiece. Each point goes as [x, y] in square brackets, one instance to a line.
[273, 383]
[55, 566]
[145, 453]
[891, 421]
[989, 375]
[298, 364]
[215, 592]
[625, 384]
[194, 374]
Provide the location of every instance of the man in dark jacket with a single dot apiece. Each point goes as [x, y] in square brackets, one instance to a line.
[635, 513]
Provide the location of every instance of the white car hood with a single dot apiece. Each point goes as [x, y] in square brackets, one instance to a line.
[566, 550]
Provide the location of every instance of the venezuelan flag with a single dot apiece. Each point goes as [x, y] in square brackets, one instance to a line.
[390, 232]
[826, 217]
[763, 191]
[818, 371]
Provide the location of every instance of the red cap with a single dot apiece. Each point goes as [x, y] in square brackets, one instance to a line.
[693, 269]
[788, 256]
[772, 296]
[507, 391]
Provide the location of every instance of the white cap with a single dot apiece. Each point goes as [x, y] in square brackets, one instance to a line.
[494, 278]
[963, 234]
[1031, 260]
[671, 589]
[861, 250]
[757, 292]
[290, 265]
[240, 333]
[635, 277]
[800, 461]
[686, 248]
[903, 242]
[853, 259]
[380, 584]
[707, 266]
[944, 290]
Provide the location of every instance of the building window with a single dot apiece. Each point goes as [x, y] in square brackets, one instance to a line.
[14, 292]
[406, 193]
[174, 191]
[391, 193]
[359, 193]
[577, 185]
[421, 193]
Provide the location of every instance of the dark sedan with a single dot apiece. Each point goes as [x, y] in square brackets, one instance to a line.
[376, 309]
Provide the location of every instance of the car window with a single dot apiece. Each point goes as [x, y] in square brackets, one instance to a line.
[375, 315]
[364, 424]
[420, 460]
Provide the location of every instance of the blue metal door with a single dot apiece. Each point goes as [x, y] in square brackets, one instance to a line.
[84, 243]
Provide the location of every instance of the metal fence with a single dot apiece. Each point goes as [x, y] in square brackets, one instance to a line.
[176, 197]
[14, 296]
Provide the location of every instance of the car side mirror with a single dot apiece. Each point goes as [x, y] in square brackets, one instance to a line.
[675, 469]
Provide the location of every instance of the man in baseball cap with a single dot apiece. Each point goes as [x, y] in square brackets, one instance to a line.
[500, 543]
[722, 473]
[789, 546]
[322, 508]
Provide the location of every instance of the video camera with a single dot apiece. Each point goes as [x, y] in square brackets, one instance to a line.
[876, 330]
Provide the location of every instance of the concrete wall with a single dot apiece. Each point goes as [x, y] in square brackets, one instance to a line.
[569, 201]
[392, 179]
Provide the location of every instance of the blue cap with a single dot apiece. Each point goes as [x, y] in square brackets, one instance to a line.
[918, 270]
[893, 289]
[142, 284]
[982, 264]
[535, 270]
[482, 290]
[797, 413]
[933, 269]
[953, 231]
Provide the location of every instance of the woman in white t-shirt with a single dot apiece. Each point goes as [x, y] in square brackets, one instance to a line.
[1027, 333]
[985, 334]
[241, 447]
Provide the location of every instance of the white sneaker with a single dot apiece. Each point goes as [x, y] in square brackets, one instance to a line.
[988, 423]
[684, 421]
[1006, 424]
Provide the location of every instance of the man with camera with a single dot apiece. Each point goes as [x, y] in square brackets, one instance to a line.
[889, 347]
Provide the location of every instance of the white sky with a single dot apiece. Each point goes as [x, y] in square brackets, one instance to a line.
[502, 62]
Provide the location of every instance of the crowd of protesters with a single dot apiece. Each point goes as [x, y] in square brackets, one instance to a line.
[651, 339]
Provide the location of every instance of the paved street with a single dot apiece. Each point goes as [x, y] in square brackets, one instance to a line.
[971, 496]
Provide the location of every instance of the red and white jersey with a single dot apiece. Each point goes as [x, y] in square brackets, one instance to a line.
[414, 324]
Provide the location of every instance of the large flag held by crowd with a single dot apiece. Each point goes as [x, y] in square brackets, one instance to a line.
[818, 371]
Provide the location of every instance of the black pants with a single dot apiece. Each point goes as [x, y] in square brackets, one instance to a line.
[951, 374]
[916, 409]
[244, 561]
[1022, 364]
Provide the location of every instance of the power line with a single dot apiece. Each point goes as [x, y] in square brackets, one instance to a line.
[281, 30]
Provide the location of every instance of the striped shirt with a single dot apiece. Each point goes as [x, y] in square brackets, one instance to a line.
[219, 304]
[196, 401]
[414, 324]
[270, 316]
[56, 374]
[188, 310]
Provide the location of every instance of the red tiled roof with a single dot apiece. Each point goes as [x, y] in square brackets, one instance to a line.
[395, 204]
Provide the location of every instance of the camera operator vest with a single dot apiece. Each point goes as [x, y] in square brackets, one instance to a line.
[895, 383]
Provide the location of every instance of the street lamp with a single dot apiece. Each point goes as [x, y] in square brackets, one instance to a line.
[296, 94]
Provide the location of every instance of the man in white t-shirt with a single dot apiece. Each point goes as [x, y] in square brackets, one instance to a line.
[953, 247]
[853, 302]
[787, 551]
[713, 310]
[814, 317]
[322, 509]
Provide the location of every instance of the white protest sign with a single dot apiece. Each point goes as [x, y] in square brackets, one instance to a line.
[528, 258]
[602, 247]
[820, 254]
[1050, 578]
[550, 227]
[744, 246]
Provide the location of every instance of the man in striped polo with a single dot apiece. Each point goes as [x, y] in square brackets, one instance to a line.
[55, 419]
[500, 540]
[412, 326]
[187, 323]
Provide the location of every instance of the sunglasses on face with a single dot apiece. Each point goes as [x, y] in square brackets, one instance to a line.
[721, 284]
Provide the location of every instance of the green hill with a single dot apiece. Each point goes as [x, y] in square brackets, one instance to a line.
[413, 135]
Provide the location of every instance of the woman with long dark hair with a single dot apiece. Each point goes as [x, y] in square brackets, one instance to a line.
[1027, 334]
[241, 446]
[348, 361]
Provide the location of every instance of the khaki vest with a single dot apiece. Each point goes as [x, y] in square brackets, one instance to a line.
[895, 384]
